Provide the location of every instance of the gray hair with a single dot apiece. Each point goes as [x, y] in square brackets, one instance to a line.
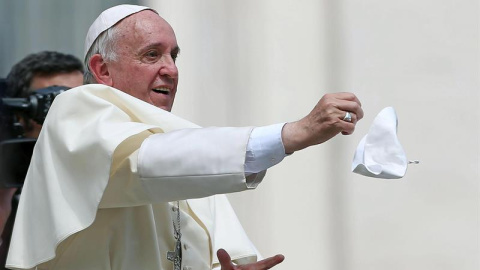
[103, 45]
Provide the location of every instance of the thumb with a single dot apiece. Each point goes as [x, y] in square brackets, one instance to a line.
[224, 259]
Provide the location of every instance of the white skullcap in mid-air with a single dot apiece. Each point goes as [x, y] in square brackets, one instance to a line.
[109, 18]
[380, 154]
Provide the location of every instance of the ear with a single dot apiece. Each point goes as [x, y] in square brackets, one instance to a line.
[99, 69]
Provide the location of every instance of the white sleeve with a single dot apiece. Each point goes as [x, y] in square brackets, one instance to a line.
[194, 163]
[264, 149]
[183, 164]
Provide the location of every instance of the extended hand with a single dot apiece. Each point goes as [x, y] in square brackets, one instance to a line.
[226, 262]
[324, 122]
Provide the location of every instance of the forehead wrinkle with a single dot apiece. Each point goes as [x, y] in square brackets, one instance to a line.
[136, 31]
[128, 31]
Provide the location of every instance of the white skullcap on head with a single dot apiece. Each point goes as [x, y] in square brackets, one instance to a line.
[109, 18]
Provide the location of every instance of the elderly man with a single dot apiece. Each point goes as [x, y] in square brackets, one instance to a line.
[118, 182]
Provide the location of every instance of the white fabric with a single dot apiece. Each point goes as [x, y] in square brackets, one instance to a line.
[107, 19]
[93, 134]
[380, 154]
[265, 148]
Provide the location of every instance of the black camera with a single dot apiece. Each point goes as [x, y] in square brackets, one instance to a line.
[16, 150]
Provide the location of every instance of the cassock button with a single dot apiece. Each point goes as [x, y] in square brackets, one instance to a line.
[173, 208]
[185, 246]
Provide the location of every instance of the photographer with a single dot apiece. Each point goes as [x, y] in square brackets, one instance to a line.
[42, 70]
[36, 71]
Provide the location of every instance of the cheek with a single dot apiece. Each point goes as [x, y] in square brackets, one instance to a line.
[135, 80]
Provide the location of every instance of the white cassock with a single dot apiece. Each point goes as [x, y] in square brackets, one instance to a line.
[93, 200]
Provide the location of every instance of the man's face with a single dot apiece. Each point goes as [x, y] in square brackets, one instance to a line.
[145, 67]
[68, 79]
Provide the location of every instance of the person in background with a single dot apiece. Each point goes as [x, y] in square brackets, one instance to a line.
[40, 70]
[35, 71]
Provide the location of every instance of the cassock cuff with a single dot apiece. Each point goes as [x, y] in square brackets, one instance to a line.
[264, 149]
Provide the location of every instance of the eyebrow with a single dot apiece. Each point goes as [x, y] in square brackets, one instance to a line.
[157, 44]
[176, 50]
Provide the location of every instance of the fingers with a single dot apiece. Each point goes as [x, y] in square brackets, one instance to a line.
[326, 120]
[347, 96]
[269, 262]
[225, 260]
[348, 102]
[347, 124]
[352, 107]
[348, 117]
[338, 105]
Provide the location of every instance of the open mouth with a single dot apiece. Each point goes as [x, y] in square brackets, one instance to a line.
[162, 90]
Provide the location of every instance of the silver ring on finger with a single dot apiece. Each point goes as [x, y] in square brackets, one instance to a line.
[348, 117]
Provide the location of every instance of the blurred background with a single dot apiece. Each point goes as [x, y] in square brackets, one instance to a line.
[263, 62]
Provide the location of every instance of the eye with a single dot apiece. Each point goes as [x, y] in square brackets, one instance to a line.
[174, 54]
[151, 55]
[174, 57]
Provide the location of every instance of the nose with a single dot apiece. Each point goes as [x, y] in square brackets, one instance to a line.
[168, 67]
